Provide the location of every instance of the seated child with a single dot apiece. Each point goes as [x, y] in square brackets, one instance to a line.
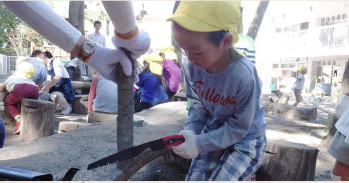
[20, 85]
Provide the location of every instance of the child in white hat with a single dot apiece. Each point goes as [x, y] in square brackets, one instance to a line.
[225, 130]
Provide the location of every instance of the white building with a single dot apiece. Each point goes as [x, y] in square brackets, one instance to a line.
[311, 33]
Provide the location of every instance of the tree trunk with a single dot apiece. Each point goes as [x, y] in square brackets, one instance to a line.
[76, 17]
[286, 161]
[258, 18]
[81, 84]
[125, 111]
[37, 119]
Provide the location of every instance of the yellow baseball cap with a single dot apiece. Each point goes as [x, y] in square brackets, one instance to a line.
[154, 61]
[25, 69]
[302, 68]
[170, 55]
[167, 48]
[209, 16]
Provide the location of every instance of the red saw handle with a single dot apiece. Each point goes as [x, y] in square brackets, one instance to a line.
[172, 140]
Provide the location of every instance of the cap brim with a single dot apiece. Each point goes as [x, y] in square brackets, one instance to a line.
[192, 24]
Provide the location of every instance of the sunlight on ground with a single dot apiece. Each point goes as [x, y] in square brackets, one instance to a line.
[296, 138]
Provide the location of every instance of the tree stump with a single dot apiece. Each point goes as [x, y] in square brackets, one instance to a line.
[286, 161]
[80, 104]
[290, 111]
[282, 98]
[37, 119]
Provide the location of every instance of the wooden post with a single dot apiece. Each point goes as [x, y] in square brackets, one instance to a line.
[37, 119]
[286, 161]
[125, 110]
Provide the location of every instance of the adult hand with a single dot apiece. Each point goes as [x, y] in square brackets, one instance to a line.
[188, 149]
[138, 45]
[104, 61]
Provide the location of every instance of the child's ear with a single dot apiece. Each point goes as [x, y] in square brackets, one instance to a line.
[227, 41]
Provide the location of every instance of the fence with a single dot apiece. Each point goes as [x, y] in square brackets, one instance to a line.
[7, 64]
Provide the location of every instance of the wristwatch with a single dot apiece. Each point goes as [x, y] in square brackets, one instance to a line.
[87, 49]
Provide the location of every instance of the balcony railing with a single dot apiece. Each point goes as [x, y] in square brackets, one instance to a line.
[330, 39]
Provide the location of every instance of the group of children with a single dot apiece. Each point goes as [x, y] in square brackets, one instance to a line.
[30, 81]
[158, 80]
[225, 129]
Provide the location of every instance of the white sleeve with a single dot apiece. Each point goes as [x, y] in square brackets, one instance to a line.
[57, 66]
[121, 14]
[46, 22]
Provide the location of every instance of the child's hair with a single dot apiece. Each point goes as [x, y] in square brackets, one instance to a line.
[35, 53]
[97, 22]
[217, 36]
[48, 54]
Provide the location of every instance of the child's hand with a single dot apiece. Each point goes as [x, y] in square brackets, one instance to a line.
[188, 149]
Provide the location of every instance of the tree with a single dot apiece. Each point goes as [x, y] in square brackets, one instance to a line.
[258, 18]
[15, 36]
[76, 17]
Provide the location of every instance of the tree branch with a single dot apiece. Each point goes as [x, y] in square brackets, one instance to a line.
[132, 166]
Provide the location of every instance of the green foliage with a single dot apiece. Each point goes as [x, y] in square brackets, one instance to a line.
[15, 36]
[98, 13]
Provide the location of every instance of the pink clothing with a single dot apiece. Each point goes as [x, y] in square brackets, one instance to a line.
[92, 93]
[19, 92]
[172, 74]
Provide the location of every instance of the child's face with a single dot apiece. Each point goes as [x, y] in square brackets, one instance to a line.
[198, 48]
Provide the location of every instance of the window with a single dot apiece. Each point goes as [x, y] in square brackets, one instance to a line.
[304, 25]
[278, 30]
[287, 28]
[338, 17]
[275, 65]
[323, 21]
[334, 63]
[328, 62]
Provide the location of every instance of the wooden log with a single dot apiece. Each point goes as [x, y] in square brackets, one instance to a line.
[286, 161]
[81, 84]
[290, 111]
[37, 119]
[269, 98]
[282, 98]
[80, 104]
[94, 116]
[332, 120]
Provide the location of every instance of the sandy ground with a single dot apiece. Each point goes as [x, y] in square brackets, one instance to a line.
[86, 144]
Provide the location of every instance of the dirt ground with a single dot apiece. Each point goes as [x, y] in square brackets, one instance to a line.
[309, 133]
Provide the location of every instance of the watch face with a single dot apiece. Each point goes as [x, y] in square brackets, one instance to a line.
[88, 47]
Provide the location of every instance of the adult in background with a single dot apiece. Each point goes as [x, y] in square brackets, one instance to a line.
[60, 87]
[98, 38]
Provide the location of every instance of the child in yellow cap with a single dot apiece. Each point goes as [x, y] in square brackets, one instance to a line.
[225, 130]
[299, 84]
[19, 85]
[150, 84]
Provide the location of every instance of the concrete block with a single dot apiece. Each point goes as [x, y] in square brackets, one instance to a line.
[65, 126]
